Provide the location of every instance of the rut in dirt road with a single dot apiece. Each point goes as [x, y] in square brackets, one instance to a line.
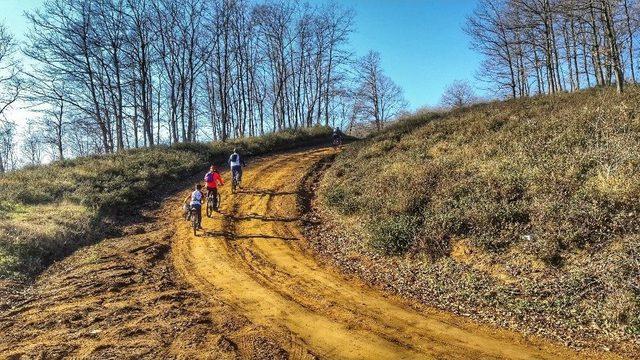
[252, 257]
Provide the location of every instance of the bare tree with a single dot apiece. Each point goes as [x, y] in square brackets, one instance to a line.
[379, 98]
[554, 45]
[457, 95]
[47, 95]
[7, 146]
[32, 148]
[139, 52]
[10, 82]
[488, 28]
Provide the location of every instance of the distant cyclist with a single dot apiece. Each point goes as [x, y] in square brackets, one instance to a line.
[236, 162]
[196, 204]
[337, 137]
[213, 180]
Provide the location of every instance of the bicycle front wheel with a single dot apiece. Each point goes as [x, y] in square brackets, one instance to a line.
[210, 207]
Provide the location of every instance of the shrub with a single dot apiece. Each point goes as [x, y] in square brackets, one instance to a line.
[393, 235]
[338, 197]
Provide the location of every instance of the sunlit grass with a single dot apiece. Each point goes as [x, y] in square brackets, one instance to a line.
[535, 185]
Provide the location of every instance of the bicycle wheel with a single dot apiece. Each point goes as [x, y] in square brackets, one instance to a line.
[210, 206]
[194, 223]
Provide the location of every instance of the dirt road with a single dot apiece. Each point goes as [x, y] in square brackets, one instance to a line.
[252, 257]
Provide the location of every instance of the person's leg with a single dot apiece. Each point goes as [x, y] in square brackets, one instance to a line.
[199, 214]
[210, 191]
[214, 198]
[235, 172]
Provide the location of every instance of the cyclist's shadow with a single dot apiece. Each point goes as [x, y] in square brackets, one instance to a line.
[230, 219]
[262, 192]
[228, 235]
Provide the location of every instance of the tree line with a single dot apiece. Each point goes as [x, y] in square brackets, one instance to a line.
[549, 46]
[108, 75]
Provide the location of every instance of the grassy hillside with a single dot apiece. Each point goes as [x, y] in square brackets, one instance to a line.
[46, 212]
[527, 208]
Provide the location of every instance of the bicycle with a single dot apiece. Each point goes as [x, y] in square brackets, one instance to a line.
[235, 181]
[194, 219]
[337, 142]
[213, 203]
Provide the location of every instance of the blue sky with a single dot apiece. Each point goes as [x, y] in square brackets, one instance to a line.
[11, 14]
[421, 42]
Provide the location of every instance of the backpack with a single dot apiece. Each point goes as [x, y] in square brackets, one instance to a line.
[209, 177]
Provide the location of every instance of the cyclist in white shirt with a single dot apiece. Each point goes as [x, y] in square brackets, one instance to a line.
[236, 162]
[196, 203]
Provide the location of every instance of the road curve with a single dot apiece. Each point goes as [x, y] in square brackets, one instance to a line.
[251, 257]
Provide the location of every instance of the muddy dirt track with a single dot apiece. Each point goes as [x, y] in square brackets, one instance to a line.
[246, 287]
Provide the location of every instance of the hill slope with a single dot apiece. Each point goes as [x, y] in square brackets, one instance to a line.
[522, 212]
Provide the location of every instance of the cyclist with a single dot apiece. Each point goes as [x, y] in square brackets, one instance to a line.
[196, 203]
[236, 162]
[213, 180]
[337, 136]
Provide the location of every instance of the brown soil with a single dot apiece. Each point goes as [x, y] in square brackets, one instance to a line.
[246, 287]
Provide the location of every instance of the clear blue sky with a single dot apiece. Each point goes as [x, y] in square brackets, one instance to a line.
[422, 45]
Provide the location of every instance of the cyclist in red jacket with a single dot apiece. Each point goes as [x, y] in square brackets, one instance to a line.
[213, 180]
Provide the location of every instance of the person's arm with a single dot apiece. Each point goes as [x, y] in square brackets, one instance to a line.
[242, 161]
[219, 179]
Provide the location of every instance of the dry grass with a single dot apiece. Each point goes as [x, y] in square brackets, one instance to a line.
[546, 189]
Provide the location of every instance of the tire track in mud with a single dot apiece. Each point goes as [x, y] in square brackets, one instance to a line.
[251, 258]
